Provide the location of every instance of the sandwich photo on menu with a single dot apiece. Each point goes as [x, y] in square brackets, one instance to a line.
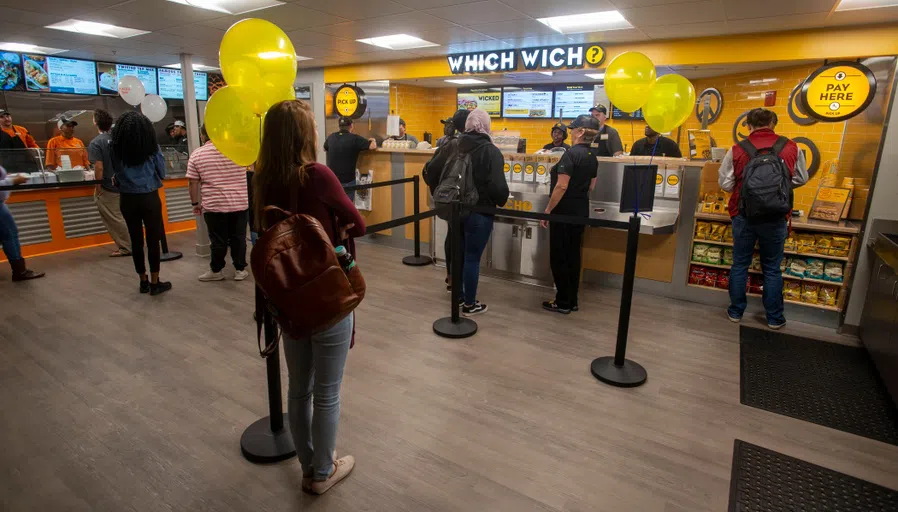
[36, 77]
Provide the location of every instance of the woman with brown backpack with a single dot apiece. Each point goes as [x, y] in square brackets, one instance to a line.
[288, 177]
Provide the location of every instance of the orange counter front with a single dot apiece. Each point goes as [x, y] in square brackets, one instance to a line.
[60, 219]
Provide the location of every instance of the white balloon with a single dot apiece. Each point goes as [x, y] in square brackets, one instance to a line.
[131, 89]
[153, 107]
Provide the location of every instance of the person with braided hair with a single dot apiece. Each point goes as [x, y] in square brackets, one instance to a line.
[139, 170]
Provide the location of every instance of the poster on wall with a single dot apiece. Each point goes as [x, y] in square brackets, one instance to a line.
[573, 100]
[57, 74]
[171, 87]
[838, 91]
[10, 71]
[485, 98]
[527, 102]
[108, 75]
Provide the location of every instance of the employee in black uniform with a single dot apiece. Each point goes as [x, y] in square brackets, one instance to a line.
[655, 144]
[608, 140]
[403, 134]
[16, 145]
[573, 178]
[559, 134]
[343, 148]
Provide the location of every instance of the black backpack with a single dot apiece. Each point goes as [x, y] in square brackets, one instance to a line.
[766, 183]
[456, 184]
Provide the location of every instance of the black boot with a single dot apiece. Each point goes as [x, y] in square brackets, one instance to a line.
[20, 273]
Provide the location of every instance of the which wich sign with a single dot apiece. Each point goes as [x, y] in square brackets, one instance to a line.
[544, 58]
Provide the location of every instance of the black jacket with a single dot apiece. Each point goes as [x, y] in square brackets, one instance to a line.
[488, 165]
[433, 169]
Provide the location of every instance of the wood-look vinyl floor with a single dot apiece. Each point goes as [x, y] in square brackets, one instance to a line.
[115, 401]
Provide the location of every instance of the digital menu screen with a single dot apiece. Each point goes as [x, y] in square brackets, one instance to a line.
[10, 72]
[57, 74]
[484, 98]
[109, 74]
[171, 86]
[573, 100]
[527, 101]
[620, 115]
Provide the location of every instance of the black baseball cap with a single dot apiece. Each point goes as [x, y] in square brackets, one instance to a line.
[560, 126]
[345, 122]
[4, 112]
[446, 121]
[63, 120]
[600, 108]
[460, 118]
[585, 121]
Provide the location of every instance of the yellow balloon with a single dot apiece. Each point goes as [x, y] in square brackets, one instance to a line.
[258, 57]
[628, 79]
[232, 126]
[670, 103]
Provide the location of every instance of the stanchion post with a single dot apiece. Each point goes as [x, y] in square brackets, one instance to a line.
[620, 371]
[166, 255]
[454, 326]
[266, 440]
[417, 260]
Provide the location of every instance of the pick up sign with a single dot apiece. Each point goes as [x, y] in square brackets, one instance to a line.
[838, 91]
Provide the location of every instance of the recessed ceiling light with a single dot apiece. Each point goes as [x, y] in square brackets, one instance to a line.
[398, 42]
[466, 81]
[196, 67]
[588, 22]
[854, 5]
[547, 73]
[300, 57]
[230, 6]
[25, 47]
[96, 29]
[596, 76]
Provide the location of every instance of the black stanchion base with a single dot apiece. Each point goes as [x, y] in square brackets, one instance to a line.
[169, 256]
[630, 375]
[417, 261]
[465, 328]
[262, 446]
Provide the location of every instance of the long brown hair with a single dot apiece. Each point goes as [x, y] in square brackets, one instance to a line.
[288, 148]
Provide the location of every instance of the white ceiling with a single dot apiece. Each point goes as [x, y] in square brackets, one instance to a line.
[326, 30]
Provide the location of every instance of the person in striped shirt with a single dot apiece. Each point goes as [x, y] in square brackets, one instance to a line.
[222, 186]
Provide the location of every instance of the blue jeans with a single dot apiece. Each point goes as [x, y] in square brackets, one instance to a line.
[477, 233]
[350, 193]
[9, 234]
[771, 237]
[315, 366]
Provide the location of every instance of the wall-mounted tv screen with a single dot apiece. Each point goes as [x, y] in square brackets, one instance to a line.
[573, 100]
[108, 75]
[58, 74]
[171, 87]
[527, 101]
[485, 98]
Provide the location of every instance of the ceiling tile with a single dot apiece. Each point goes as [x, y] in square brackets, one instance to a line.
[684, 30]
[861, 16]
[487, 11]
[126, 19]
[430, 4]
[480, 46]
[689, 12]
[197, 32]
[454, 35]
[355, 9]
[544, 9]
[288, 17]
[28, 17]
[742, 9]
[611, 36]
[302, 38]
[514, 29]
[415, 24]
[177, 14]
[630, 4]
[535, 42]
[777, 23]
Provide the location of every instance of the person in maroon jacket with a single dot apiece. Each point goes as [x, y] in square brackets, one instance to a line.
[286, 175]
[769, 234]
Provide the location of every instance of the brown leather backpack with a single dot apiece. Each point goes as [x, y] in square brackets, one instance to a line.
[296, 268]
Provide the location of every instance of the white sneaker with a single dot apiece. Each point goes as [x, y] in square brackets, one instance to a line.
[240, 275]
[211, 276]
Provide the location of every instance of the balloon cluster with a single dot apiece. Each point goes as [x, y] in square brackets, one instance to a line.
[631, 84]
[132, 90]
[258, 62]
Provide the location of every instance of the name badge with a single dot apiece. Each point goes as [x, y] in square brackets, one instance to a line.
[604, 136]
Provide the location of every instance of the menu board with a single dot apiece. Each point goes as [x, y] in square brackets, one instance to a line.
[529, 102]
[171, 86]
[484, 98]
[573, 100]
[108, 75]
[57, 74]
[620, 115]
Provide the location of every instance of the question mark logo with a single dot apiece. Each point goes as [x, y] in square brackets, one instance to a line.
[595, 55]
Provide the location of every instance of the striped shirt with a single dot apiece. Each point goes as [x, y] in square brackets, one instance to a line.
[222, 182]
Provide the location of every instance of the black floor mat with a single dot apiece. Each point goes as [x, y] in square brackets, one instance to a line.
[764, 480]
[836, 386]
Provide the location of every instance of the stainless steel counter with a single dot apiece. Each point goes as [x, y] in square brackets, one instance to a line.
[879, 323]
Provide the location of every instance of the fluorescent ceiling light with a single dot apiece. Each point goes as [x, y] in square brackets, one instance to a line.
[300, 57]
[96, 29]
[466, 81]
[196, 67]
[596, 76]
[397, 42]
[29, 48]
[230, 6]
[855, 5]
[547, 73]
[588, 22]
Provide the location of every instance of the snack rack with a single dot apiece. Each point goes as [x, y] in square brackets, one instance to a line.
[799, 226]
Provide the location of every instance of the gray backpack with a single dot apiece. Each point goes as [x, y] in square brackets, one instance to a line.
[456, 184]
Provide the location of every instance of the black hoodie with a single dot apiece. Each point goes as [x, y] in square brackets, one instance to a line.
[488, 166]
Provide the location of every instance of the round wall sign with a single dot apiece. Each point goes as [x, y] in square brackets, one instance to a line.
[715, 104]
[349, 101]
[796, 111]
[838, 91]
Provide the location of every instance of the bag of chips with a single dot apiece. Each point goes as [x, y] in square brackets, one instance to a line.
[829, 295]
[699, 252]
[711, 275]
[713, 255]
[832, 271]
[810, 292]
[814, 269]
[792, 290]
[805, 244]
[785, 263]
[727, 257]
[717, 230]
[755, 284]
[840, 246]
[790, 244]
[696, 275]
[702, 229]
[798, 267]
[723, 279]
[824, 243]
[755, 262]
[728, 233]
